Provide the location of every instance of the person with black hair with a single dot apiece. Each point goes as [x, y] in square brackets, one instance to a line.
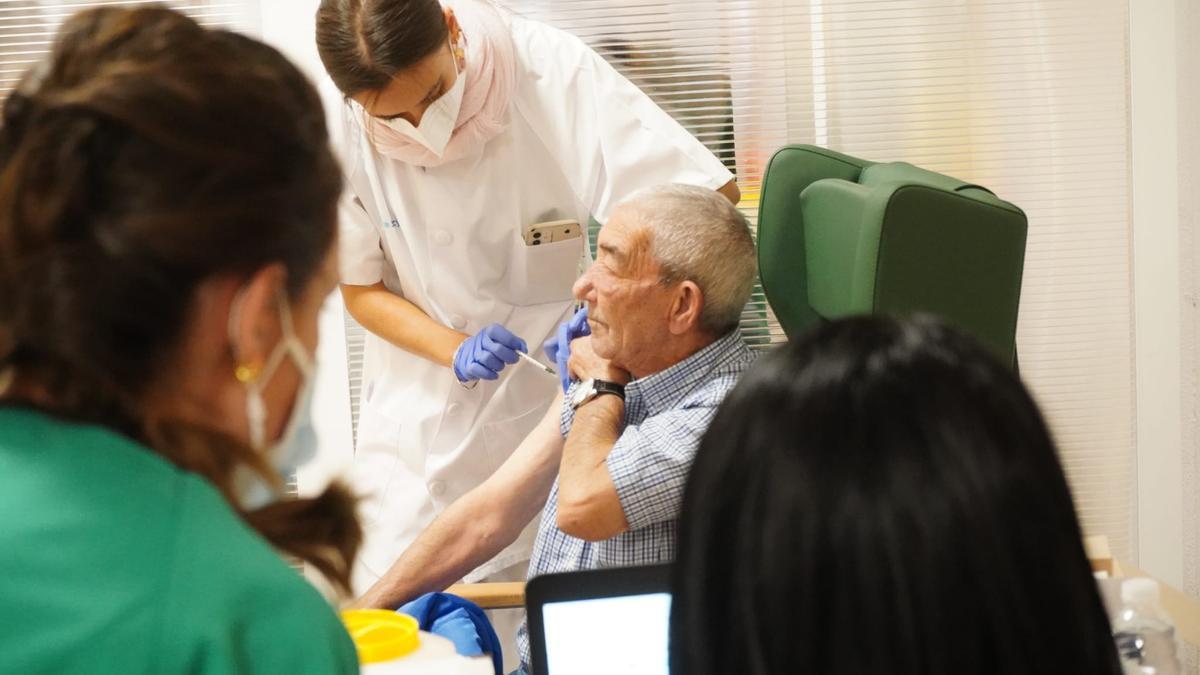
[883, 497]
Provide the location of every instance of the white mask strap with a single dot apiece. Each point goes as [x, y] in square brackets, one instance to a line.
[290, 345]
[291, 342]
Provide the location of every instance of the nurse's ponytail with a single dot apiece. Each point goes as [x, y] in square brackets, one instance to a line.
[365, 43]
[144, 156]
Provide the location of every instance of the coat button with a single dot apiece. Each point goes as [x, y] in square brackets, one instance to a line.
[458, 322]
[437, 488]
[443, 238]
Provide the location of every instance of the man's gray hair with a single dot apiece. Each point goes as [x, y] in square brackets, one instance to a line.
[697, 235]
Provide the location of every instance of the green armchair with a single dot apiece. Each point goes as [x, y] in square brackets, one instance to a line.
[840, 236]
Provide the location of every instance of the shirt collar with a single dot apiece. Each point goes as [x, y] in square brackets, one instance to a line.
[664, 389]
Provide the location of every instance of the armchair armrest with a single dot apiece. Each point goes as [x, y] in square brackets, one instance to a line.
[505, 595]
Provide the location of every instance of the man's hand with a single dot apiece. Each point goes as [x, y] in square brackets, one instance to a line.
[585, 363]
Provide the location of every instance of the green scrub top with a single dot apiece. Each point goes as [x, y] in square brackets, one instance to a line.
[113, 560]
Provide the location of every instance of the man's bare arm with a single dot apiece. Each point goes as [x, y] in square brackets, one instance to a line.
[589, 507]
[476, 527]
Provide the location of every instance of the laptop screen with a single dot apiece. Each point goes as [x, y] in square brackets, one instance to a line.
[601, 636]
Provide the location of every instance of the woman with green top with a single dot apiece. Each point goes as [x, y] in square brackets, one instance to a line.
[167, 236]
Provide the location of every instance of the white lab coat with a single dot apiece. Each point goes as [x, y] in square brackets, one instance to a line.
[450, 240]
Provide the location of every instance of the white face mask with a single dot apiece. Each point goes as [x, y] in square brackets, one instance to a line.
[297, 445]
[437, 124]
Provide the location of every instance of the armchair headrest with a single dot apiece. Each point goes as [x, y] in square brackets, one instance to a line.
[840, 236]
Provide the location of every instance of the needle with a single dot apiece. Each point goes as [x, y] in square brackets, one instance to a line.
[537, 363]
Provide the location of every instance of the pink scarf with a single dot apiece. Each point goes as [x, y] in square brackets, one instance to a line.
[491, 76]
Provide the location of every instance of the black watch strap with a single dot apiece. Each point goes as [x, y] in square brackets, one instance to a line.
[606, 387]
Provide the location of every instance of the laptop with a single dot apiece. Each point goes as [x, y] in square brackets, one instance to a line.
[600, 622]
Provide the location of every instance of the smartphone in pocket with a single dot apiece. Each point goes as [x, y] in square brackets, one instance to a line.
[552, 231]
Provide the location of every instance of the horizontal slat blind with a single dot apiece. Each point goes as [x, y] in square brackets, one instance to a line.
[356, 349]
[1031, 99]
[27, 27]
[1027, 97]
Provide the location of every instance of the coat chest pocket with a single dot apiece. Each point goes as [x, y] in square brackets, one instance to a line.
[544, 273]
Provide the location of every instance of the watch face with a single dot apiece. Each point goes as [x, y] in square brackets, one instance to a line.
[583, 393]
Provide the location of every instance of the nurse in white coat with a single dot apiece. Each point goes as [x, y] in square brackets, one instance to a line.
[467, 126]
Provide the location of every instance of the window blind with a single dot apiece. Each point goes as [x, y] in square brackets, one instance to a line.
[28, 27]
[1027, 97]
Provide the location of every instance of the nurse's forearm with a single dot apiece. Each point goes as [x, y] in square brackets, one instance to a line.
[401, 323]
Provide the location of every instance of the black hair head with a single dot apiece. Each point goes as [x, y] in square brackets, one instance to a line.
[883, 497]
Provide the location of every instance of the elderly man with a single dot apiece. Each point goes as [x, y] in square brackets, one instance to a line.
[607, 465]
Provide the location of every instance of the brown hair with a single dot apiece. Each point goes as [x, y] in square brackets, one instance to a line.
[143, 156]
[364, 43]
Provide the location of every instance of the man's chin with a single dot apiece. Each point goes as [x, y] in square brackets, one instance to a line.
[602, 348]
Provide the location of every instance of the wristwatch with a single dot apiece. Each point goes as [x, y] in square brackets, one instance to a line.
[591, 388]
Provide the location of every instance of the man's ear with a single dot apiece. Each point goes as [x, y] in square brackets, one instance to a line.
[686, 308]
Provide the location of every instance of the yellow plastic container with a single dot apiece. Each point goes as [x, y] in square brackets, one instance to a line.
[380, 635]
[390, 643]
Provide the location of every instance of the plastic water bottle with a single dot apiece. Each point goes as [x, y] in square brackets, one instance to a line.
[1144, 633]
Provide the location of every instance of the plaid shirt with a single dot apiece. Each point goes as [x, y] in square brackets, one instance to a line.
[665, 416]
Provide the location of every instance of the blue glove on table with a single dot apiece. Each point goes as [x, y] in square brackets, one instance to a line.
[483, 355]
[558, 348]
[460, 621]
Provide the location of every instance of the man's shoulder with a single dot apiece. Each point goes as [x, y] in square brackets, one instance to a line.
[711, 393]
[728, 366]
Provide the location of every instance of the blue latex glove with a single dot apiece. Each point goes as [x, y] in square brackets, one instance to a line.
[460, 621]
[558, 348]
[486, 353]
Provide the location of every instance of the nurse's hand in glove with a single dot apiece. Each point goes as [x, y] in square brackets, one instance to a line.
[483, 355]
[558, 348]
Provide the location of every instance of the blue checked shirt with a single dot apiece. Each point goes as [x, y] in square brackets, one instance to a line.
[665, 416]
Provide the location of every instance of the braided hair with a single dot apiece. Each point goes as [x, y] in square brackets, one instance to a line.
[143, 156]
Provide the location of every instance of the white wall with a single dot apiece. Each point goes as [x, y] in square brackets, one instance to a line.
[288, 26]
[1162, 280]
[1187, 23]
